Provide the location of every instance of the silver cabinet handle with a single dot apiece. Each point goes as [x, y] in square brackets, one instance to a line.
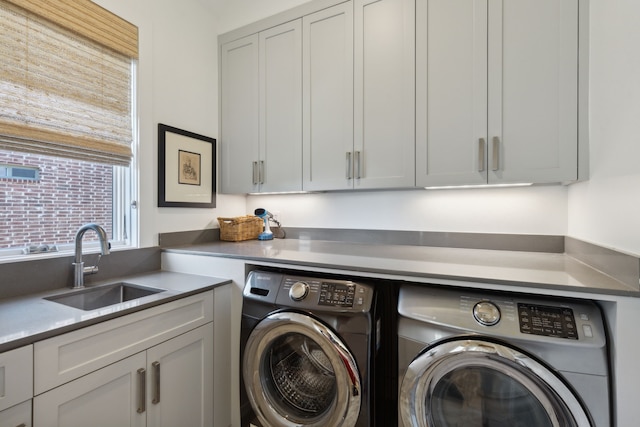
[261, 172]
[482, 149]
[349, 165]
[358, 164]
[495, 160]
[142, 390]
[254, 170]
[156, 383]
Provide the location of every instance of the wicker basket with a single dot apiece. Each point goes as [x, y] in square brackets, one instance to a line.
[240, 228]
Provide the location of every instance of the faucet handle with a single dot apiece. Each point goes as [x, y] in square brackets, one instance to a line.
[93, 269]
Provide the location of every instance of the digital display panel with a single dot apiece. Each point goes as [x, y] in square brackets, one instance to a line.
[547, 321]
[336, 294]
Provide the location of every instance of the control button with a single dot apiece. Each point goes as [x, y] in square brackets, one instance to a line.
[588, 332]
[486, 313]
[299, 291]
[584, 316]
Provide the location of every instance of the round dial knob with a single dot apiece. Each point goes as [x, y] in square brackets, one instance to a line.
[486, 313]
[299, 291]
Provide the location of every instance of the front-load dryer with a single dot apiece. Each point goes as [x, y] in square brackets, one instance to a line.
[484, 359]
[308, 350]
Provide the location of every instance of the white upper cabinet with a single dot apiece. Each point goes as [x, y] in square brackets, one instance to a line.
[384, 94]
[533, 90]
[261, 111]
[240, 115]
[451, 89]
[359, 96]
[375, 94]
[497, 91]
[280, 160]
[328, 98]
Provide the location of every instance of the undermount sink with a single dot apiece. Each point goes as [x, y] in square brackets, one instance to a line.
[103, 296]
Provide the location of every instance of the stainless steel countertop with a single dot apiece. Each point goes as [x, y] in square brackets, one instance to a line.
[533, 269]
[27, 319]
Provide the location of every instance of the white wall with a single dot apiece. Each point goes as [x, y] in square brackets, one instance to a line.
[534, 210]
[177, 86]
[236, 13]
[606, 209]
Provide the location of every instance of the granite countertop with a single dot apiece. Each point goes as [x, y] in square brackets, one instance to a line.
[533, 269]
[27, 319]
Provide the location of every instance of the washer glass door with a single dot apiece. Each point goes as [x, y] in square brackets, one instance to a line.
[297, 372]
[476, 383]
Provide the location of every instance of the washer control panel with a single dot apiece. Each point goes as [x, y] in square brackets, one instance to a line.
[506, 315]
[547, 321]
[324, 294]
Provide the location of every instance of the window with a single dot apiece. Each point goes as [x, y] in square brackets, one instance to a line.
[43, 215]
[20, 172]
[67, 109]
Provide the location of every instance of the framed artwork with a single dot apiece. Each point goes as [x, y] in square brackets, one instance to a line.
[186, 169]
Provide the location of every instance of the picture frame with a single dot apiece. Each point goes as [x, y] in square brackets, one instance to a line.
[186, 169]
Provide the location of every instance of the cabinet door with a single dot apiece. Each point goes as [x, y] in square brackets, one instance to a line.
[533, 84]
[239, 104]
[65, 357]
[280, 167]
[180, 386]
[451, 90]
[384, 111]
[111, 396]
[328, 98]
[16, 376]
[17, 416]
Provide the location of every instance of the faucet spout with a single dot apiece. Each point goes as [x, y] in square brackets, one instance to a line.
[79, 269]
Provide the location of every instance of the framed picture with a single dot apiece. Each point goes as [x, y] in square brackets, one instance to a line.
[186, 169]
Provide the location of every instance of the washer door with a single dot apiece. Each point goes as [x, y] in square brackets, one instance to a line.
[297, 372]
[478, 383]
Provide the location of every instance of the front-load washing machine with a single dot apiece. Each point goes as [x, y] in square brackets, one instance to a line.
[484, 359]
[308, 350]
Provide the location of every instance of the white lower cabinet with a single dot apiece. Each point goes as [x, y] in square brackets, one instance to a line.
[107, 397]
[17, 416]
[180, 391]
[170, 384]
[16, 387]
[150, 368]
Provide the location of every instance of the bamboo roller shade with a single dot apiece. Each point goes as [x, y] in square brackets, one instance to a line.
[89, 20]
[65, 80]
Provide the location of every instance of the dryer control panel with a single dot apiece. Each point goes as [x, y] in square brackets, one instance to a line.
[337, 294]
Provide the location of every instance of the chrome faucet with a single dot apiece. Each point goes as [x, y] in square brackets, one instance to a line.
[79, 268]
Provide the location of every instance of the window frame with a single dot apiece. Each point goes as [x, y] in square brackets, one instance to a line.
[125, 234]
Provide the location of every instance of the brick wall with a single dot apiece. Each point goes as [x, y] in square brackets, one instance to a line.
[49, 211]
